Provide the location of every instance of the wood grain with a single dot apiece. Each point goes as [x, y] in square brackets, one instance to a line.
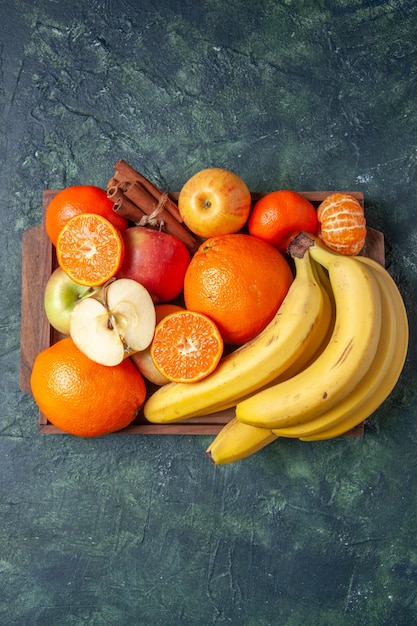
[38, 262]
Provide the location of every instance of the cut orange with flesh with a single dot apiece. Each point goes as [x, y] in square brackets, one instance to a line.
[89, 249]
[186, 347]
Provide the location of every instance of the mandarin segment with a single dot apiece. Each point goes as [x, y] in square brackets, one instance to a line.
[89, 249]
[342, 224]
[186, 347]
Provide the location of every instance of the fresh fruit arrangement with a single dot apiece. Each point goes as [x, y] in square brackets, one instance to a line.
[265, 308]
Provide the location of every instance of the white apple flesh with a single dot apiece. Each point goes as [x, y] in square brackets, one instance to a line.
[123, 323]
[61, 296]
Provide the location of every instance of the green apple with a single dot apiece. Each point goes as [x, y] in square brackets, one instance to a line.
[122, 322]
[60, 297]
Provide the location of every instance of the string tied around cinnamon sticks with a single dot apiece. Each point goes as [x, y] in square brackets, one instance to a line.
[137, 199]
[152, 219]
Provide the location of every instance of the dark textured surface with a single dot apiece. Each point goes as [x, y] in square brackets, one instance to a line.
[143, 530]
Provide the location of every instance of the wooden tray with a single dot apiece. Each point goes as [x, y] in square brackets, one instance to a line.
[38, 262]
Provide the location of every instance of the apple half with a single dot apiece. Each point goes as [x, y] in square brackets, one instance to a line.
[122, 323]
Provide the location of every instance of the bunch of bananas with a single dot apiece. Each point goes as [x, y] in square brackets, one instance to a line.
[332, 354]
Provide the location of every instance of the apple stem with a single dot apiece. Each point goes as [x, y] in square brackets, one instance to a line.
[103, 294]
[88, 292]
[111, 280]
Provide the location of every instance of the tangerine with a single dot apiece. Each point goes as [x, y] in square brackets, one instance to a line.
[143, 360]
[279, 216]
[89, 249]
[81, 397]
[79, 199]
[342, 223]
[186, 347]
[239, 282]
[166, 308]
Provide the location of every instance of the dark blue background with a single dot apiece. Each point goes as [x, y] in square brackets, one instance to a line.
[307, 95]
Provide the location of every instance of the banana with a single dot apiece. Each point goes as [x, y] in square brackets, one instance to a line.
[323, 277]
[356, 405]
[384, 373]
[346, 358]
[237, 441]
[288, 337]
[316, 344]
[324, 333]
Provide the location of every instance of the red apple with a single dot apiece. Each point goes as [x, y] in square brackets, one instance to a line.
[156, 260]
[214, 202]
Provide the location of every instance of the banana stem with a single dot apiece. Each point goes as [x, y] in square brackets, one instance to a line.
[300, 244]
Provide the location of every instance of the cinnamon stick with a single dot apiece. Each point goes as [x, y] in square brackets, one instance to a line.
[138, 195]
[125, 172]
[113, 182]
[123, 206]
[128, 189]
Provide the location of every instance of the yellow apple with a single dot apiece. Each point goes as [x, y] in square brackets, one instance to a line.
[214, 202]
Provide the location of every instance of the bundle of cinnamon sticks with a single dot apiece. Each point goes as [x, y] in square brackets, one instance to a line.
[137, 199]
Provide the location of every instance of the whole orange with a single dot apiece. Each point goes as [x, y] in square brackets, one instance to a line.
[82, 397]
[239, 282]
[79, 199]
[279, 216]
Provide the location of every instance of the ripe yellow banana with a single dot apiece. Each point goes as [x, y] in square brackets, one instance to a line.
[286, 339]
[315, 344]
[324, 332]
[237, 441]
[342, 364]
[391, 343]
[384, 373]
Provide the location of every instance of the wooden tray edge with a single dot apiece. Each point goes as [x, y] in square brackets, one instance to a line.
[36, 333]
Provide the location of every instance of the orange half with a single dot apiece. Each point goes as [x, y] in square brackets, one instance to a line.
[89, 249]
[186, 347]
